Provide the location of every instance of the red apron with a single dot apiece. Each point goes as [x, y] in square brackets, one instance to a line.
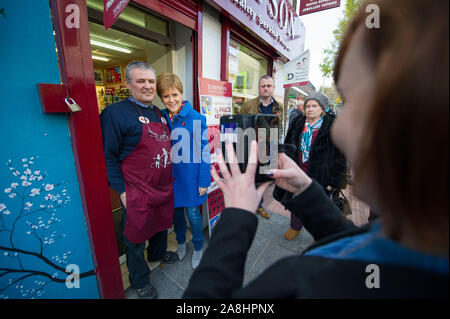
[147, 172]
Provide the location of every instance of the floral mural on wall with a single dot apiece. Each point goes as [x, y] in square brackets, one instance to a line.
[34, 250]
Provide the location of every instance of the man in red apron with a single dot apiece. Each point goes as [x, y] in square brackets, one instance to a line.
[136, 142]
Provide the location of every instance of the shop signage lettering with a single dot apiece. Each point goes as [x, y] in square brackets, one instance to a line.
[276, 11]
[112, 11]
[310, 6]
[297, 71]
[216, 88]
[275, 21]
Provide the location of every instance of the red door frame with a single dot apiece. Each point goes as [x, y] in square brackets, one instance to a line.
[181, 14]
[77, 74]
[197, 55]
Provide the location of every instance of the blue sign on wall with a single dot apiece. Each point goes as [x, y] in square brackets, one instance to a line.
[44, 244]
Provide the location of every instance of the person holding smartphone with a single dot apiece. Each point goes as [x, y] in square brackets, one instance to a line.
[404, 253]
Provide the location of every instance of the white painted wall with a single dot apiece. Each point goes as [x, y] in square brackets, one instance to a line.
[182, 59]
[279, 79]
[211, 43]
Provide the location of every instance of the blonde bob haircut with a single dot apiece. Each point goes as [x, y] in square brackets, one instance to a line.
[167, 81]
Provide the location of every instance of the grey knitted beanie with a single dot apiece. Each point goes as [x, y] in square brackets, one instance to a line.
[320, 98]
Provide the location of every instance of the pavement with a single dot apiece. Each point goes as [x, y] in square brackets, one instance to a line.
[268, 247]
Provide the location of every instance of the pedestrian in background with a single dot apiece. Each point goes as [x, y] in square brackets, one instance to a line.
[296, 112]
[191, 161]
[384, 122]
[265, 103]
[316, 154]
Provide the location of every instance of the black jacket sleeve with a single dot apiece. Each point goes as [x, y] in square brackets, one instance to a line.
[338, 178]
[320, 216]
[221, 270]
[112, 142]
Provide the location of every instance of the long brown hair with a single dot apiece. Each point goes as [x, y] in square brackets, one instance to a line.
[408, 133]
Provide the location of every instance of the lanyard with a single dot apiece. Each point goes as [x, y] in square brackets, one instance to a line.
[159, 137]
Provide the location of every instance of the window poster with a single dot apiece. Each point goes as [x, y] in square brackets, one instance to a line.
[297, 71]
[113, 75]
[216, 100]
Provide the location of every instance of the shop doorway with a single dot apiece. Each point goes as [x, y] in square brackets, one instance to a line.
[138, 34]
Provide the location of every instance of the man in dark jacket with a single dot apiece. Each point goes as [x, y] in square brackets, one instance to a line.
[298, 111]
[265, 103]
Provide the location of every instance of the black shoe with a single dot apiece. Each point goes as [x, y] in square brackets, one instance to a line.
[170, 257]
[148, 292]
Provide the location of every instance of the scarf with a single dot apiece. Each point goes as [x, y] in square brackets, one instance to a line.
[305, 144]
[171, 115]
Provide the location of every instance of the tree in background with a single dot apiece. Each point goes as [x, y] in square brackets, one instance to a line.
[327, 66]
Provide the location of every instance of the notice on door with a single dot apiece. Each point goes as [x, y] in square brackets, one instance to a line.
[216, 100]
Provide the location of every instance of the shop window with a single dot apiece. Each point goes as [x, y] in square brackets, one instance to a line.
[245, 68]
[112, 50]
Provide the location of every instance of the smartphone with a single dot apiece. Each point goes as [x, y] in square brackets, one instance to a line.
[241, 129]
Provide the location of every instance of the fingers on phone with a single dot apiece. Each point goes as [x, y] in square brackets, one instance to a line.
[222, 166]
[253, 158]
[232, 160]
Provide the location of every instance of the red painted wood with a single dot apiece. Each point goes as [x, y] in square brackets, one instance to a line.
[197, 57]
[240, 13]
[77, 74]
[187, 7]
[170, 12]
[240, 35]
[52, 98]
[225, 41]
[229, 29]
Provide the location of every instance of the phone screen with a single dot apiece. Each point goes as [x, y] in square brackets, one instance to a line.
[267, 137]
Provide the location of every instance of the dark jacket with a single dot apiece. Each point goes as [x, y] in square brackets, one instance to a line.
[252, 107]
[327, 165]
[293, 115]
[221, 271]
[121, 132]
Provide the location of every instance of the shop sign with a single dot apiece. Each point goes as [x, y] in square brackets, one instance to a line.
[310, 6]
[215, 101]
[112, 10]
[296, 72]
[275, 21]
